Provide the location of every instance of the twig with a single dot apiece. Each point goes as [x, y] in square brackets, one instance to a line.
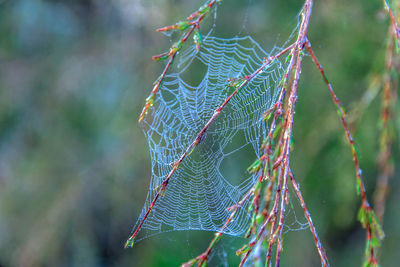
[366, 214]
[318, 244]
[395, 26]
[271, 216]
[282, 164]
[193, 22]
[387, 136]
[306, 13]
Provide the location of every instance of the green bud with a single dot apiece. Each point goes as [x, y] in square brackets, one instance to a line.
[176, 47]
[197, 39]
[259, 218]
[182, 25]
[130, 242]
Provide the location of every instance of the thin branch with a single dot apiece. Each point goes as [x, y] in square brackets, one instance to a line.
[193, 22]
[341, 112]
[387, 135]
[318, 244]
[395, 26]
[272, 215]
[366, 214]
[307, 9]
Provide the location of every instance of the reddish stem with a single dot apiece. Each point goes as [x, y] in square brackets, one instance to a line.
[395, 26]
[360, 183]
[318, 244]
[386, 168]
[302, 36]
[171, 54]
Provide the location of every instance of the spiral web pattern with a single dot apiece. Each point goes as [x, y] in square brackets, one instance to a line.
[201, 190]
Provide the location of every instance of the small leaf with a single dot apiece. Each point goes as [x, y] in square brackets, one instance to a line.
[176, 47]
[197, 38]
[242, 250]
[182, 25]
[161, 57]
[358, 187]
[255, 166]
[259, 218]
[288, 58]
[150, 100]
[204, 9]
[362, 216]
[375, 242]
[357, 151]
[282, 82]
[292, 143]
[130, 242]
[277, 131]
[157, 80]
[236, 82]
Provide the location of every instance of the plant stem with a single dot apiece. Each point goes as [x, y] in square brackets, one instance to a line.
[173, 52]
[366, 215]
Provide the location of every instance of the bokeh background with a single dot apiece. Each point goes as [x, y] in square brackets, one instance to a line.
[74, 164]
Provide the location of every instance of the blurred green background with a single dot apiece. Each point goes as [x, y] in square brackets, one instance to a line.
[74, 165]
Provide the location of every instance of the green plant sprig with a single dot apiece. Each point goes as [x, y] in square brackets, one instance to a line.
[188, 27]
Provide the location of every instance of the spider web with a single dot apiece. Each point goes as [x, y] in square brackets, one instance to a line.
[204, 186]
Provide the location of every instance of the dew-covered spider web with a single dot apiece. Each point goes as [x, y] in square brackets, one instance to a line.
[207, 183]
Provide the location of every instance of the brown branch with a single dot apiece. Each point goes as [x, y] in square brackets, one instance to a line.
[283, 162]
[272, 215]
[193, 22]
[342, 115]
[298, 50]
[395, 26]
[366, 214]
[318, 244]
[389, 97]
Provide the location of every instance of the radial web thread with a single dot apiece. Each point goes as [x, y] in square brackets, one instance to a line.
[200, 191]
